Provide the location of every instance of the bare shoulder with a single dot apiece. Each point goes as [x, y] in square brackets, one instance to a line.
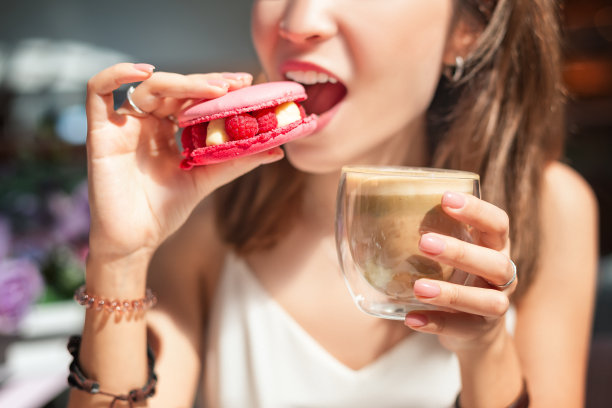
[567, 258]
[565, 193]
[569, 225]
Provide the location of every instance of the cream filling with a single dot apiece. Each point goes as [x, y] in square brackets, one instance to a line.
[286, 113]
[215, 133]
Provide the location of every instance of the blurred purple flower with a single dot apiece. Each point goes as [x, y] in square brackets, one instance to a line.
[20, 285]
[70, 214]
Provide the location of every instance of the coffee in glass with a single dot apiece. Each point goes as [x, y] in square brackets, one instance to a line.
[381, 214]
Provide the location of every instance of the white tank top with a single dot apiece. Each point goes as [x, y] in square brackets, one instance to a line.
[257, 355]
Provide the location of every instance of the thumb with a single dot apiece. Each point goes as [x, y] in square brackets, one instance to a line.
[210, 177]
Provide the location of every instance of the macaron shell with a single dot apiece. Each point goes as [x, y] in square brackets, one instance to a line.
[242, 100]
[258, 143]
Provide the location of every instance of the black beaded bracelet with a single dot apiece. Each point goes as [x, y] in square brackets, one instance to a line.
[522, 401]
[78, 380]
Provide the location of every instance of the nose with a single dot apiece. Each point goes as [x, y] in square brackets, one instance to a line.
[307, 22]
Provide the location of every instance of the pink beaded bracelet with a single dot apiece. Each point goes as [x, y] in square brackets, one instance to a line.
[114, 306]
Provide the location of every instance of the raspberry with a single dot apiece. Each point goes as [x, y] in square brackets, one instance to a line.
[198, 135]
[302, 110]
[186, 141]
[266, 120]
[241, 126]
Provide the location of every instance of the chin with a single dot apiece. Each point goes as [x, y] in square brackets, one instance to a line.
[312, 161]
[326, 158]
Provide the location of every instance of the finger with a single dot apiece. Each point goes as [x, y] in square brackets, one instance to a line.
[168, 106]
[100, 87]
[493, 266]
[468, 299]
[459, 325]
[149, 95]
[491, 222]
[209, 178]
[237, 79]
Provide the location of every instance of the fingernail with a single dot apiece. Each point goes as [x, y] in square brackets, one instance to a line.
[426, 289]
[239, 76]
[416, 320]
[453, 200]
[148, 68]
[218, 83]
[432, 244]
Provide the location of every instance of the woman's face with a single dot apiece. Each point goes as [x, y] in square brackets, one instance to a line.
[370, 68]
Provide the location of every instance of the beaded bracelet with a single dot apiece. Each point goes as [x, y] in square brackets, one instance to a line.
[522, 401]
[114, 306]
[78, 380]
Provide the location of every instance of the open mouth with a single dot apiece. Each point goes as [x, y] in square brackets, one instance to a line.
[324, 91]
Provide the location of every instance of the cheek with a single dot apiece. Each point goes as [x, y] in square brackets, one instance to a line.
[402, 70]
[264, 33]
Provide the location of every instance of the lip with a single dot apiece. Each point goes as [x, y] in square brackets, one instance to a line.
[295, 65]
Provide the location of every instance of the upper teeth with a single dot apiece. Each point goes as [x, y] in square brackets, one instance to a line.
[310, 77]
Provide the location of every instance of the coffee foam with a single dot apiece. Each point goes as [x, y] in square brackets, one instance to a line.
[421, 184]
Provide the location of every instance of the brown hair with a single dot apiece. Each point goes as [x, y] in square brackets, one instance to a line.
[503, 120]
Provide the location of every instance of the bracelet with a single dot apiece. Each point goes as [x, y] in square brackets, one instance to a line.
[522, 401]
[78, 380]
[118, 307]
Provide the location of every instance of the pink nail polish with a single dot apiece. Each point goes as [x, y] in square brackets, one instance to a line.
[218, 83]
[416, 320]
[432, 244]
[426, 289]
[148, 68]
[239, 76]
[453, 200]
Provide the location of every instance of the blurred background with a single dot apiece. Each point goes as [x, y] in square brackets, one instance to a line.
[48, 50]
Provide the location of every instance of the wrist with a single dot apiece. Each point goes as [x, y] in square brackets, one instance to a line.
[491, 343]
[117, 276]
[120, 251]
[521, 401]
[491, 374]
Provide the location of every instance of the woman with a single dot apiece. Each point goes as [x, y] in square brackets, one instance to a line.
[497, 111]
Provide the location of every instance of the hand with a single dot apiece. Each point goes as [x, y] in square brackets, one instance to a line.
[474, 315]
[138, 195]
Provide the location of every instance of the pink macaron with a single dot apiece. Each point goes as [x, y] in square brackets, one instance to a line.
[234, 115]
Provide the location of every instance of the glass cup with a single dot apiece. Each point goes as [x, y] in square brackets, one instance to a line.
[381, 214]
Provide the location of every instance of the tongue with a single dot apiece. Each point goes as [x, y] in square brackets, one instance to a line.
[322, 97]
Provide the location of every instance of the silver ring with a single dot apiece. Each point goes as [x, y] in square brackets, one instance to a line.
[511, 281]
[130, 91]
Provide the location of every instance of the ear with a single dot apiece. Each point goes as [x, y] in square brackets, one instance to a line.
[463, 35]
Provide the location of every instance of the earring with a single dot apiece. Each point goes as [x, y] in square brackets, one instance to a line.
[455, 72]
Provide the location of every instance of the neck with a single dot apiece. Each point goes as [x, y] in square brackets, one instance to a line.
[407, 147]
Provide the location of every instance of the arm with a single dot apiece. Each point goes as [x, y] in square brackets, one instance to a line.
[183, 274]
[554, 318]
[138, 197]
